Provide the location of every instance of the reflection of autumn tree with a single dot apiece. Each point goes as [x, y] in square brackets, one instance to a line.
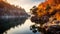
[47, 16]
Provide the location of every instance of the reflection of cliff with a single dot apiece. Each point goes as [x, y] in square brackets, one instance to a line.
[11, 16]
[6, 24]
[47, 15]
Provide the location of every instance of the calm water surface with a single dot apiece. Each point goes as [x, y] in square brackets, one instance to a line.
[23, 29]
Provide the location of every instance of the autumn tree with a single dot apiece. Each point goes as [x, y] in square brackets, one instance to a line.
[47, 16]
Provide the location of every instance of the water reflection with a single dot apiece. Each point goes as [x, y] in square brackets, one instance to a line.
[15, 26]
[6, 24]
[23, 29]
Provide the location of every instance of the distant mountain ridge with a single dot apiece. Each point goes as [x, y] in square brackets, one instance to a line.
[7, 9]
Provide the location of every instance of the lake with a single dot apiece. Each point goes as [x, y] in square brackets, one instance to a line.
[23, 29]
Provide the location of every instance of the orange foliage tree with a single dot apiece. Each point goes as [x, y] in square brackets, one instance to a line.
[47, 15]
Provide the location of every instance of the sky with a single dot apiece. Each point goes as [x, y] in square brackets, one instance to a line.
[26, 4]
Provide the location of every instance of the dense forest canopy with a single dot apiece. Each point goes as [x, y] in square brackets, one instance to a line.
[7, 9]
